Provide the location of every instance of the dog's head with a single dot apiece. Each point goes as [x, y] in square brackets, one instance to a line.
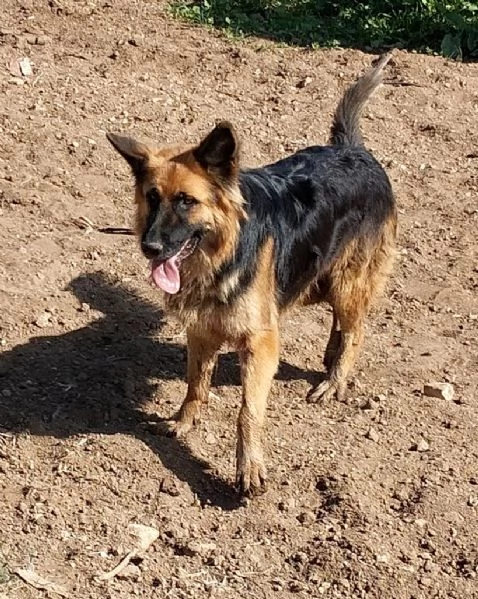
[188, 201]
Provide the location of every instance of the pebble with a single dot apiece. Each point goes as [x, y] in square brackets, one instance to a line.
[441, 390]
[169, 486]
[421, 445]
[210, 439]
[25, 67]
[373, 435]
[421, 522]
[131, 572]
[203, 549]
[306, 518]
[304, 82]
[287, 504]
[43, 320]
[277, 584]
[370, 404]
[295, 586]
[426, 581]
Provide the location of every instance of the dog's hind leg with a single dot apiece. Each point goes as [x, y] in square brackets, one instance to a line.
[351, 337]
[333, 343]
[202, 355]
[356, 279]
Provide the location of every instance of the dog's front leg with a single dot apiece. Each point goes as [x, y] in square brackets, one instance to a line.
[202, 354]
[259, 361]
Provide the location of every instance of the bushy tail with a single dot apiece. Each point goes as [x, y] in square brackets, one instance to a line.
[345, 127]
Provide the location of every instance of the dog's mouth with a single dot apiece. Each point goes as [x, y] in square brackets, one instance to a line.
[165, 273]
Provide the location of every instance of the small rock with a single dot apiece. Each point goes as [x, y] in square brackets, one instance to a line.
[131, 572]
[441, 390]
[202, 549]
[41, 40]
[295, 586]
[472, 501]
[382, 558]
[421, 445]
[304, 82]
[373, 435]
[169, 486]
[25, 67]
[421, 522]
[286, 505]
[210, 439]
[43, 320]
[370, 404]
[277, 584]
[144, 536]
[300, 557]
[306, 518]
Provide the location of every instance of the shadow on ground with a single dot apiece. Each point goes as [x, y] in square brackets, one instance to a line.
[95, 379]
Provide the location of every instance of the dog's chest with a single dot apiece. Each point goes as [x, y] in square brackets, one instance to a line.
[230, 320]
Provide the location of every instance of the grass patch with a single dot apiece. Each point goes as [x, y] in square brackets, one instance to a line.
[449, 27]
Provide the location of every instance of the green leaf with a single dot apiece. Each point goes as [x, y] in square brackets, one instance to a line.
[472, 40]
[451, 46]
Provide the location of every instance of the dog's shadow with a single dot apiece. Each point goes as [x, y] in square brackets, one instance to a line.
[96, 378]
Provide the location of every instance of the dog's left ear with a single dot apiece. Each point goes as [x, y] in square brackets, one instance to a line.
[219, 151]
[134, 152]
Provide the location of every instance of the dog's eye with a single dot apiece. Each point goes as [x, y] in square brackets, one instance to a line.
[186, 200]
[153, 198]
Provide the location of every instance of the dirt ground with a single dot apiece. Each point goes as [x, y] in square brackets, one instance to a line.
[89, 362]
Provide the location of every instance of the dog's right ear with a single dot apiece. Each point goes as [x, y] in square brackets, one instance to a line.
[218, 152]
[134, 152]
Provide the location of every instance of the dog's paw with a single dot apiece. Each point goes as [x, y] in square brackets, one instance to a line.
[171, 428]
[251, 477]
[178, 428]
[327, 389]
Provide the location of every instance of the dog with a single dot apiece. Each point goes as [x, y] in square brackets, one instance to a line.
[232, 248]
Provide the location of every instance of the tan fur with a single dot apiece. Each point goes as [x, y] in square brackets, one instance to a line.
[251, 327]
[355, 280]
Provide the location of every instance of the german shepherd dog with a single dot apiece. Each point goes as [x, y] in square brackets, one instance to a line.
[232, 248]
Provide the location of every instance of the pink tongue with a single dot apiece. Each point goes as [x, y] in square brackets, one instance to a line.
[166, 275]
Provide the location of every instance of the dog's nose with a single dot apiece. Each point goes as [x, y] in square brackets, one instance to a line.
[151, 249]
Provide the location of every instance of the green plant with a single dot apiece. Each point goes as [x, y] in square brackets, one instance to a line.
[449, 27]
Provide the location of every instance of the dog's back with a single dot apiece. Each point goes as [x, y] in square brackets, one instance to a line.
[315, 202]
